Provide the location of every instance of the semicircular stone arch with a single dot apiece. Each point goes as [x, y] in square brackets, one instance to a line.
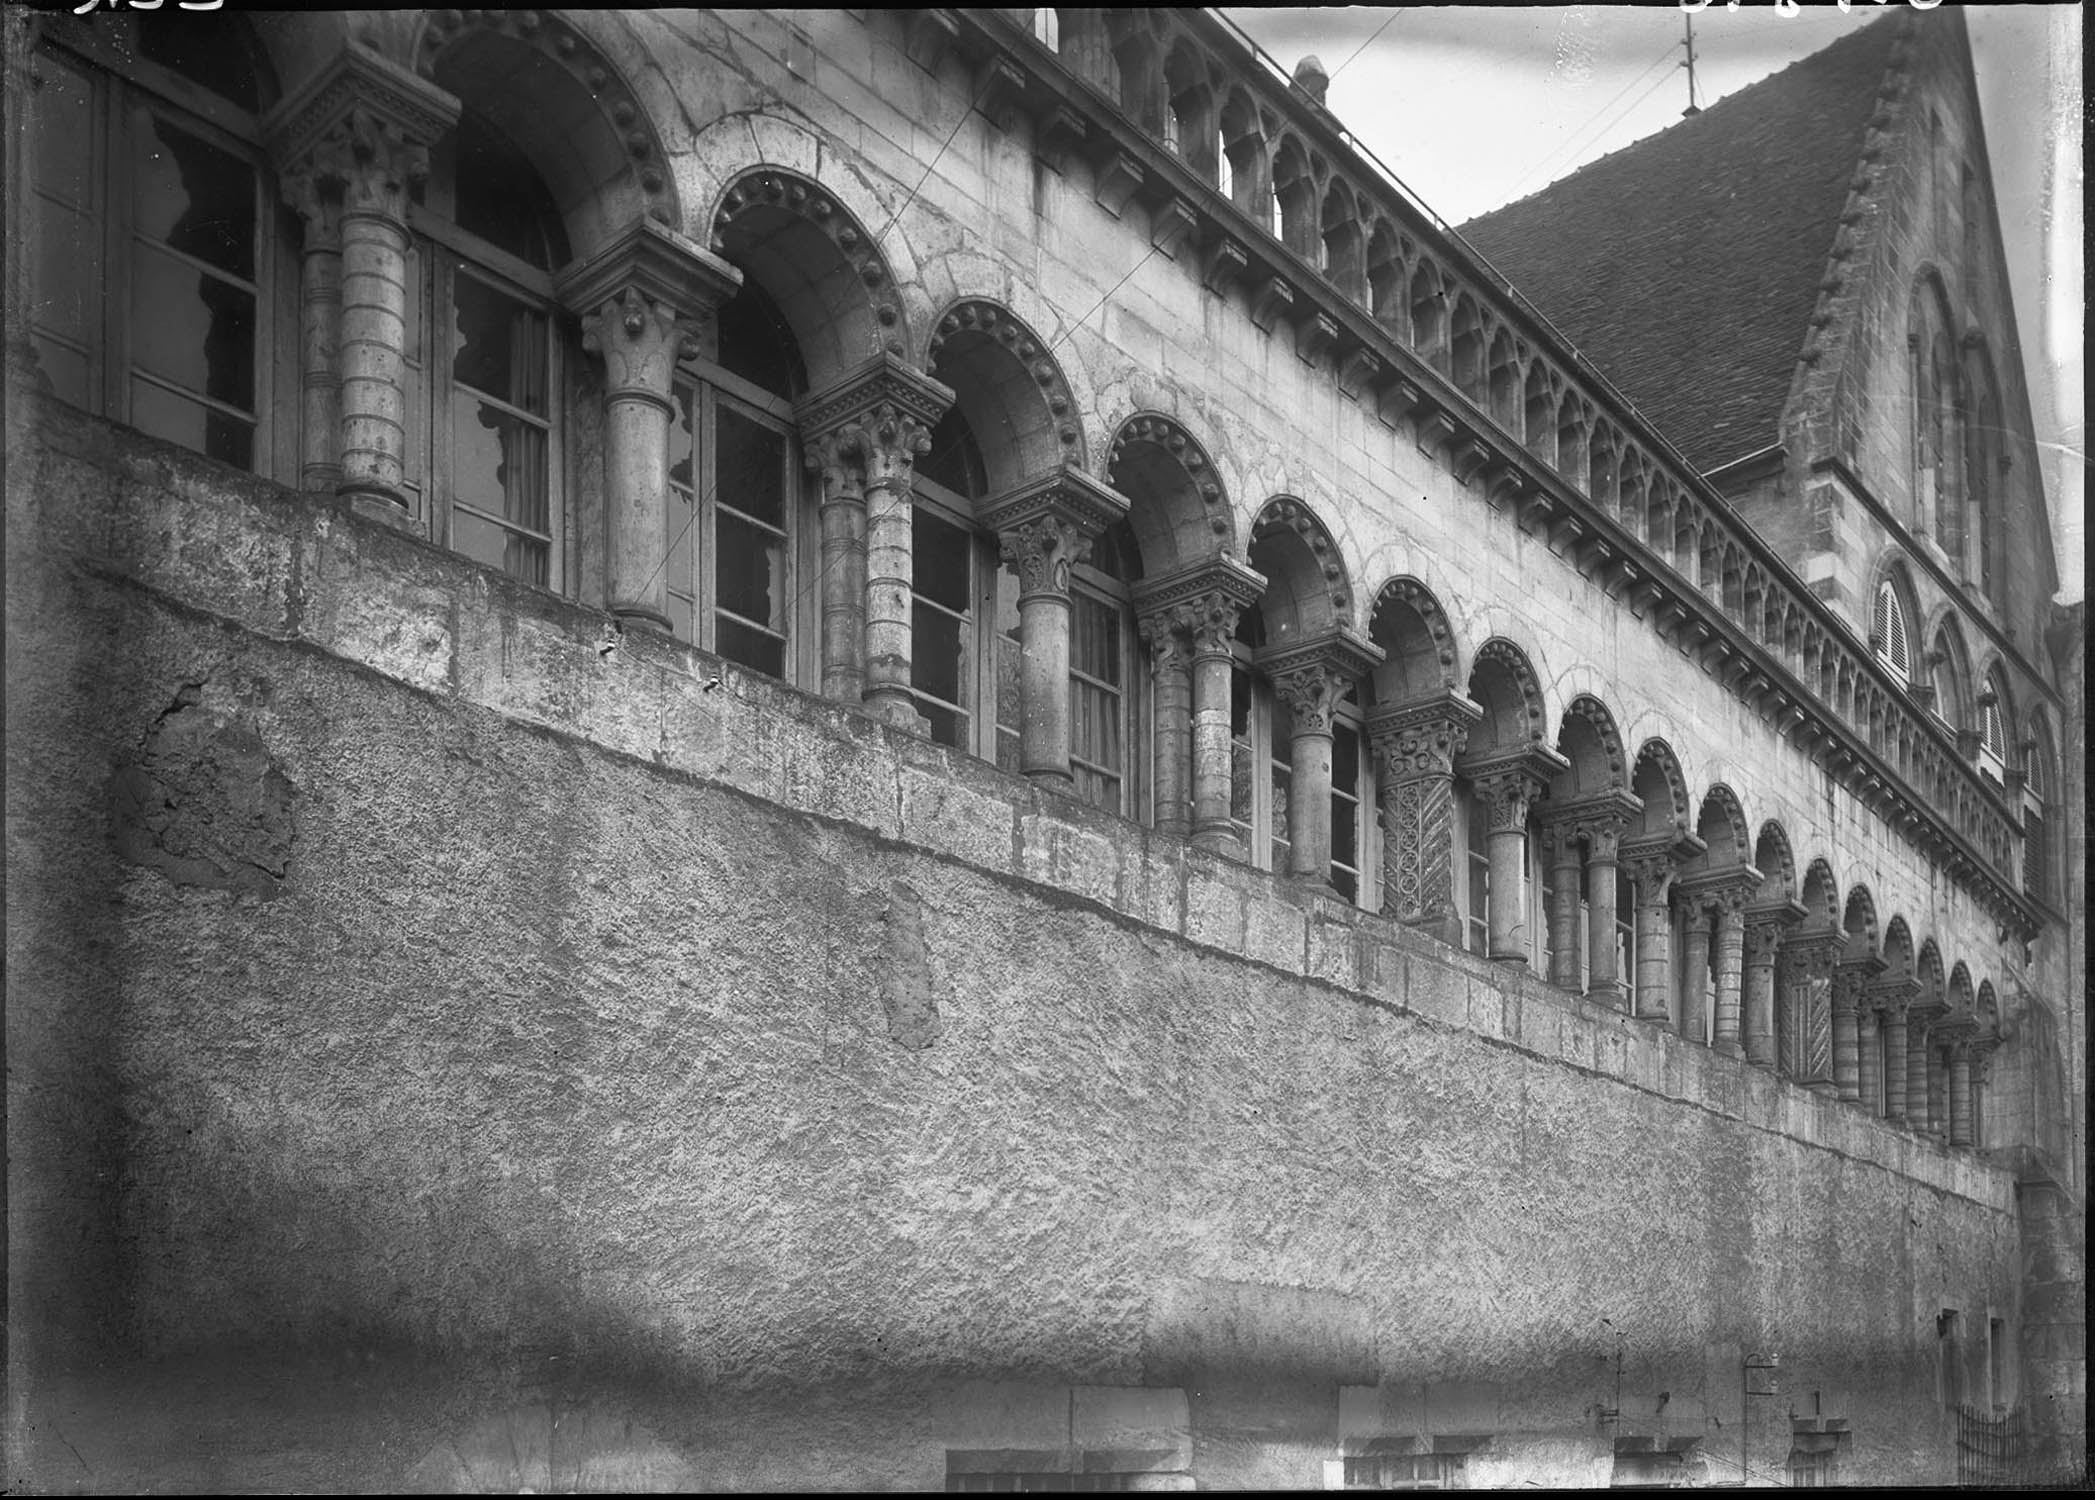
[1859, 921]
[1177, 507]
[1418, 642]
[1777, 865]
[816, 261]
[1821, 897]
[1657, 780]
[1928, 970]
[1588, 739]
[556, 95]
[1721, 824]
[1898, 949]
[1008, 386]
[1504, 683]
[1307, 591]
[1959, 993]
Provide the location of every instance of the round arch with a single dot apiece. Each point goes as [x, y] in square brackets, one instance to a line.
[1307, 591]
[1418, 642]
[1721, 824]
[1588, 739]
[1504, 684]
[1657, 779]
[1177, 508]
[1009, 388]
[1859, 921]
[1821, 896]
[1777, 866]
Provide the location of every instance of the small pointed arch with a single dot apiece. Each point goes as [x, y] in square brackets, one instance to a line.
[1133, 39]
[1928, 970]
[1245, 161]
[1504, 684]
[1417, 641]
[1177, 508]
[1388, 298]
[1732, 581]
[1753, 601]
[1859, 921]
[1192, 125]
[1009, 390]
[1948, 664]
[1821, 896]
[1996, 711]
[1633, 489]
[1959, 994]
[1687, 539]
[1295, 189]
[1604, 468]
[1985, 472]
[1045, 24]
[1429, 314]
[817, 264]
[1573, 419]
[1466, 347]
[546, 87]
[1660, 511]
[1777, 866]
[1539, 411]
[1658, 781]
[1894, 616]
[1589, 740]
[1343, 251]
[1898, 949]
[1709, 555]
[1307, 591]
[1502, 382]
[1721, 824]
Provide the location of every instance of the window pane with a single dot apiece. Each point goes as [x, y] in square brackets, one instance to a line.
[1241, 787]
[499, 344]
[488, 541]
[1095, 639]
[69, 290]
[498, 463]
[1009, 656]
[752, 648]
[681, 443]
[676, 541]
[749, 572]
[164, 414]
[192, 329]
[189, 194]
[67, 369]
[938, 665]
[948, 727]
[749, 467]
[64, 134]
[942, 553]
[205, 48]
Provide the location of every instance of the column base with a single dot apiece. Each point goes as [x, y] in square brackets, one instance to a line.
[1445, 925]
[1824, 1088]
[896, 708]
[378, 502]
[1511, 960]
[637, 614]
[1062, 783]
[1728, 1048]
[1224, 842]
[1608, 993]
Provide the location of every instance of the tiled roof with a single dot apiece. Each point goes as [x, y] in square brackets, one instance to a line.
[1686, 266]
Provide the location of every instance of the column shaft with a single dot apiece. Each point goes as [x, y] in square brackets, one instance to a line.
[1043, 684]
[1564, 911]
[1917, 1075]
[890, 586]
[1211, 771]
[1960, 1096]
[1654, 953]
[1895, 1063]
[1847, 1079]
[1309, 803]
[374, 340]
[636, 497]
[1602, 982]
[1730, 977]
[1171, 732]
[1507, 909]
[1869, 1061]
[1694, 984]
[320, 380]
[843, 591]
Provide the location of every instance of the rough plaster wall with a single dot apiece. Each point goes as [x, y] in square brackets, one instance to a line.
[552, 1081]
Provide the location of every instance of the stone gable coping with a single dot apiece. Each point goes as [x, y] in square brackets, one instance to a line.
[359, 78]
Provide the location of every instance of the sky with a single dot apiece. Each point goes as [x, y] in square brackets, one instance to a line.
[1473, 107]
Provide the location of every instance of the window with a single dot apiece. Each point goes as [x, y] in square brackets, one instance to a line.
[484, 370]
[1814, 1459]
[1476, 850]
[1404, 1471]
[1996, 1364]
[732, 538]
[1102, 671]
[1047, 28]
[1993, 732]
[1626, 935]
[1888, 632]
[156, 267]
[1949, 1358]
[2036, 841]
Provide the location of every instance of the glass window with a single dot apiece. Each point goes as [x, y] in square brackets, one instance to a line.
[151, 264]
[1477, 852]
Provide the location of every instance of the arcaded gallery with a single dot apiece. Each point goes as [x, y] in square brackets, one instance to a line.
[922, 749]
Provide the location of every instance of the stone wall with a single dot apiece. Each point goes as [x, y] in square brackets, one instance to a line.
[453, 1049]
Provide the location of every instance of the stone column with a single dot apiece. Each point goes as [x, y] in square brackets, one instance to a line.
[1171, 722]
[1651, 869]
[1510, 784]
[317, 200]
[1729, 902]
[362, 129]
[1810, 957]
[864, 431]
[1869, 1058]
[1892, 997]
[1086, 48]
[1311, 679]
[1043, 526]
[1602, 834]
[1921, 1013]
[1851, 1008]
[1764, 926]
[1695, 984]
[1204, 602]
[1415, 746]
[638, 297]
[1566, 866]
[1960, 1092]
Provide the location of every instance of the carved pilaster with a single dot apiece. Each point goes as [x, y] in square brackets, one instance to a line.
[1415, 746]
[1810, 957]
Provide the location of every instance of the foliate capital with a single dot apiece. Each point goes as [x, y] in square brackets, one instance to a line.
[639, 342]
[638, 297]
[1170, 646]
[1049, 522]
[1852, 978]
[1311, 677]
[1411, 740]
[891, 405]
[1041, 549]
[364, 125]
[1812, 955]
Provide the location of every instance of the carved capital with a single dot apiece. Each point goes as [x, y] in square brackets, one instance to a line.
[1170, 646]
[1313, 676]
[1852, 978]
[1414, 740]
[1040, 551]
[316, 197]
[1726, 892]
[1512, 781]
[638, 341]
[361, 129]
[1598, 821]
[1205, 600]
[880, 415]
[1048, 523]
[1812, 955]
[1893, 996]
[637, 297]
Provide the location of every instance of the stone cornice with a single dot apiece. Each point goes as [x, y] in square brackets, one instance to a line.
[656, 261]
[1611, 804]
[1403, 385]
[1733, 883]
[1222, 573]
[883, 380]
[1068, 494]
[358, 79]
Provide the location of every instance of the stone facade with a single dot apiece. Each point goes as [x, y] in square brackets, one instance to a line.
[489, 1012]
